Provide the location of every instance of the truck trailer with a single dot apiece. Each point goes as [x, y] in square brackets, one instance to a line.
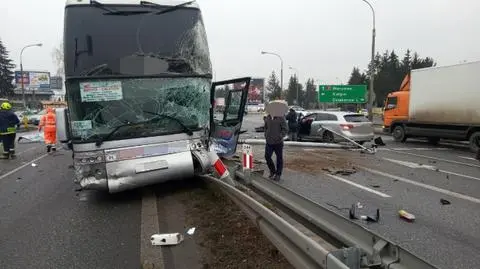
[436, 103]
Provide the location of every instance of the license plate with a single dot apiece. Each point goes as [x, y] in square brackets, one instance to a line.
[151, 166]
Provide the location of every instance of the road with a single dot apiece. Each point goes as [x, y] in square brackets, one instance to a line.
[46, 223]
[413, 176]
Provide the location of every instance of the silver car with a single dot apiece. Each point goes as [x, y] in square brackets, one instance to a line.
[330, 126]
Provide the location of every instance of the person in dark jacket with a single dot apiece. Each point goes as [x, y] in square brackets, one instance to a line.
[8, 123]
[292, 118]
[275, 131]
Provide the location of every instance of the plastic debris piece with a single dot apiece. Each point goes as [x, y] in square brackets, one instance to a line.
[34, 165]
[166, 239]
[359, 205]
[406, 216]
[444, 202]
[378, 141]
[191, 231]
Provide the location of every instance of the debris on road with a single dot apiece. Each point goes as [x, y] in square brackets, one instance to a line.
[375, 186]
[406, 216]
[191, 231]
[343, 172]
[359, 205]
[444, 202]
[368, 218]
[166, 239]
[378, 141]
[34, 165]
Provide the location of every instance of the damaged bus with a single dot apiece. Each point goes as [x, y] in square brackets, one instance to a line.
[140, 94]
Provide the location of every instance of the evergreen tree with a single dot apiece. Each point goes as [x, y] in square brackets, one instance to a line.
[6, 72]
[311, 96]
[273, 87]
[291, 92]
[357, 78]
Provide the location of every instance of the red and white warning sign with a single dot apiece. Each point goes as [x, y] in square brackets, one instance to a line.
[247, 158]
[218, 165]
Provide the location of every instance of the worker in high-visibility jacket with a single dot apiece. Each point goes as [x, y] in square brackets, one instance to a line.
[48, 124]
[8, 130]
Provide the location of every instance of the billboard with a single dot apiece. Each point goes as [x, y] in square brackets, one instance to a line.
[33, 79]
[255, 93]
[56, 83]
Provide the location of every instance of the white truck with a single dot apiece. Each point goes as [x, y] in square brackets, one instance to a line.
[437, 103]
[140, 96]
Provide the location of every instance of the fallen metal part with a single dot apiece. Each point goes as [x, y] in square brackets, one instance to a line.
[166, 239]
[444, 202]
[297, 144]
[367, 150]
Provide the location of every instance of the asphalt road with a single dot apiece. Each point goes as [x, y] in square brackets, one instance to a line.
[45, 223]
[413, 176]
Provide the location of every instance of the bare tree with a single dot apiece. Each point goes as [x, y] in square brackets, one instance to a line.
[57, 55]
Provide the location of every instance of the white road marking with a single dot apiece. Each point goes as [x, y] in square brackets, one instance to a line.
[467, 158]
[426, 186]
[381, 194]
[434, 158]
[150, 256]
[429, 167]
[423, 149]
[22, 166]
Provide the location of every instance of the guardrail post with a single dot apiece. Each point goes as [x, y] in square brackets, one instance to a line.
[247, 161]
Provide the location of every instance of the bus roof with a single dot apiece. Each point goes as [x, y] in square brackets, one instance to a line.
[131, 2]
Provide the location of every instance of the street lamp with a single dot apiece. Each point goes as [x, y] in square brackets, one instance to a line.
[298, 84]
[372, 71]
[281, 71]
[21, 70]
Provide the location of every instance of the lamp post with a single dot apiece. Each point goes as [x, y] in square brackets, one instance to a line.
[281, 71]
[372, 70]
[298, 84]
[21, 71]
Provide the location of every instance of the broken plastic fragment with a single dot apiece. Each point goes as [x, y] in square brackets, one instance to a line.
[166, 239]
[191, 231]
[34, 165]
[359, 205]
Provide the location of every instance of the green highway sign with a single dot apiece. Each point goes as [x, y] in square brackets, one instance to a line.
[342, 93]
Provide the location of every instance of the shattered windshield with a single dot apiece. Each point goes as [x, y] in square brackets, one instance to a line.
[160, 106]
[99, 43]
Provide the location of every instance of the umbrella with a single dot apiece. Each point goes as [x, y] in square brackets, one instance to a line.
[277, 108]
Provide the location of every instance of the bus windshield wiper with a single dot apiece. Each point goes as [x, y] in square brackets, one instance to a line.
[185, 127]
[167, 10]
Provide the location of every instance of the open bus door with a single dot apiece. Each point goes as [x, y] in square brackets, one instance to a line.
[225, 127]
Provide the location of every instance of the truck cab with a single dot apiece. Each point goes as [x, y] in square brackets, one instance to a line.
[395, 110]
[140, 95]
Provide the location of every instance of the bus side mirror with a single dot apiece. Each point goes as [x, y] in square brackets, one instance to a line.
[63, 132]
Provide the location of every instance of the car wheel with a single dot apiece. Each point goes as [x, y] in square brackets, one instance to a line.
[328, 137]
[399, 134]
[475, 142]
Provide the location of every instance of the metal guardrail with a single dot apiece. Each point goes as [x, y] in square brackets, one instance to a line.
[300, 250]
[358, 243]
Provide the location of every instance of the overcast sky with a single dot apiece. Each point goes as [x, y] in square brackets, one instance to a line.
[322, 39]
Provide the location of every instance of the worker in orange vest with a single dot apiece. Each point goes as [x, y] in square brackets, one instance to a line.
[48, 123]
